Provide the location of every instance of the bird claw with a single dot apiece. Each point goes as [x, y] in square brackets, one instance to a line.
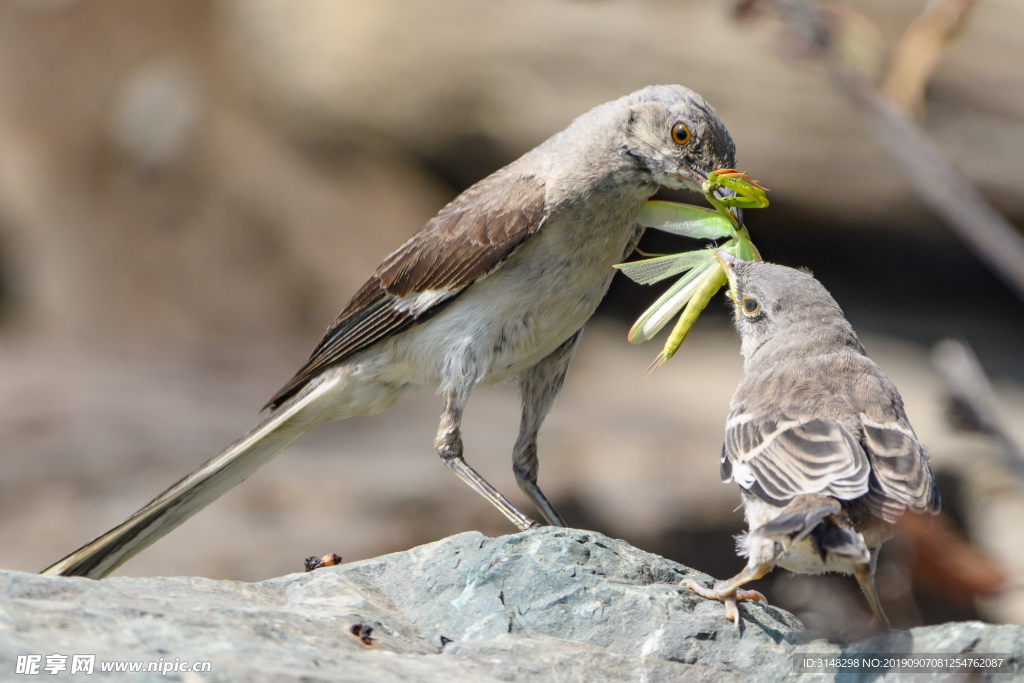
[755, 596]
[732, 612]
[700, 590]
[730, 598]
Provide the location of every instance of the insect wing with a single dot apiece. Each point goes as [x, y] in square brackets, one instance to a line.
[670, 303]
[746, 250]
[652, 270]
[685, 220]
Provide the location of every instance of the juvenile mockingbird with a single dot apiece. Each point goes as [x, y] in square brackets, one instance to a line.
[497, 285]
[816, 437]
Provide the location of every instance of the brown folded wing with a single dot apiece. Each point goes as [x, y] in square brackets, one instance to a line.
[468, 239]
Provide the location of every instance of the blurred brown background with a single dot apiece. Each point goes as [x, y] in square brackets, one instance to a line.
[191, 189]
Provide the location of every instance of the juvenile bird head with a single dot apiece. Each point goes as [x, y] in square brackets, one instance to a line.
[782, 309]
[674, 136]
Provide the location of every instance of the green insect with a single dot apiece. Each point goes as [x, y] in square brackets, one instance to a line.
[702, 275]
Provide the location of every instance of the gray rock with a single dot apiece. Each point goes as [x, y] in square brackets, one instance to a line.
[546, 605]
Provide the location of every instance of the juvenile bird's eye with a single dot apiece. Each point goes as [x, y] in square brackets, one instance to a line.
[680, 133]
[750, 306]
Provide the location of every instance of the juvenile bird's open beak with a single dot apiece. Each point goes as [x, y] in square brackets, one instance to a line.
[728, 262]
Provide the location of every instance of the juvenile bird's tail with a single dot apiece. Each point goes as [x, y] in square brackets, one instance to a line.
[790, 527]
[816, 516]
[197, 490]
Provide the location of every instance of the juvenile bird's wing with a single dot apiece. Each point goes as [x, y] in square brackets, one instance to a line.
[901, 477]
[468, 239]
[787, 436]
[795, 454]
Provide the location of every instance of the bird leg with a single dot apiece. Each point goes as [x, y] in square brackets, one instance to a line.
[865, 574]
[539, 386]
[449, 446]
[729, 591]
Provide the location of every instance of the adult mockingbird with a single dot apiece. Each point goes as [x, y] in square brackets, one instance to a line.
[817, 438]
[497, 285]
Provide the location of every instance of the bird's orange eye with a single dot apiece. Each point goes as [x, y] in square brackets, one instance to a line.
[750, 306]
[680, 133]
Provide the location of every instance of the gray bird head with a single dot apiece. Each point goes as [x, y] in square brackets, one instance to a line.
[673, 135]
[779, 309]
[663, 135]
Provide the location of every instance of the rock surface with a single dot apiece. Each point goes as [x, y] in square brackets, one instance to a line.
[546, 605]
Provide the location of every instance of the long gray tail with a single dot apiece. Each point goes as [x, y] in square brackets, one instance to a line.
[197, 490]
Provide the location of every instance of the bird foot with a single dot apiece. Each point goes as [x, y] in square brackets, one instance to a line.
[729, 596]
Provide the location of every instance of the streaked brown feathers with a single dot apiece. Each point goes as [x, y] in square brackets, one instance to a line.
[797, 456]
[777, 450]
